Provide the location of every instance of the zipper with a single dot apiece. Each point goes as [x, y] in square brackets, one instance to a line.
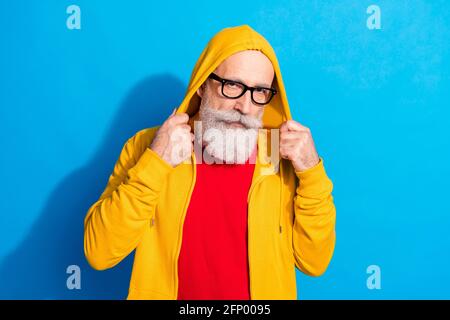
[249, 200]
[281, 196]
[180, 232]
[257, 181]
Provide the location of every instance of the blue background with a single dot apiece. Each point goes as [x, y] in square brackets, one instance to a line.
[377, 102]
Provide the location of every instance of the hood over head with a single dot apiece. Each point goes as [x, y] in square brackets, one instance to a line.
[224, 44]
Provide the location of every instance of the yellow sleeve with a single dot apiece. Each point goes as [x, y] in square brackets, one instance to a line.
[115, 223]
[314, 234]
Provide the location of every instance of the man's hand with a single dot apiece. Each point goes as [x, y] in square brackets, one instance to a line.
[174, 140]
[297, 145]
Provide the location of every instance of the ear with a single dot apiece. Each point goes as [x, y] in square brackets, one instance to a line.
[201, 90]
[274, 81]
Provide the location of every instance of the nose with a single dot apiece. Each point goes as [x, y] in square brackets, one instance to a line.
[244, 104]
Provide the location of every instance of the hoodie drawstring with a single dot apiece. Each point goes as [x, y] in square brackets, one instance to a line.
[281, 197]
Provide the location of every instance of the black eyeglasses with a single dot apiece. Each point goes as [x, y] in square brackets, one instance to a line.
[234, 90]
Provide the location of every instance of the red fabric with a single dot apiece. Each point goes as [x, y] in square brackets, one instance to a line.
[213, 261]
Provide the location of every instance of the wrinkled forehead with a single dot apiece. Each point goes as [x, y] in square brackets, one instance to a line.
[249, 66]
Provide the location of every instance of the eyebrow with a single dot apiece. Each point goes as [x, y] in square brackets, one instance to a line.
[259, 85]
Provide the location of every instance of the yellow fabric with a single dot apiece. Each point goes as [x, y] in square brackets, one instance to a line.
[291, 215]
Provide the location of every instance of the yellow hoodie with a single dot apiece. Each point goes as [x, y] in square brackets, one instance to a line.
[291, 215]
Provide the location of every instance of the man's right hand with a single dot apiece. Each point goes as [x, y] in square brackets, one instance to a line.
[174, 140]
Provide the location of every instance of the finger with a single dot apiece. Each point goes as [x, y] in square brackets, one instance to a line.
[180, 131]
[185, 127]
[287, 148]
[283, 153]
[291, 135]
[283, 156]
[284, 127]
[295, 126]
[169, 117]
[179, 118]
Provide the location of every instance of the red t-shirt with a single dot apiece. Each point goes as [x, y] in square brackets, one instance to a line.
[213, 261]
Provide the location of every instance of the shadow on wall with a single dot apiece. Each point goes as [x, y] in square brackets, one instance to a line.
[36, 269]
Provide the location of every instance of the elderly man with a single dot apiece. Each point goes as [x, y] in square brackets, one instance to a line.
[209, 213]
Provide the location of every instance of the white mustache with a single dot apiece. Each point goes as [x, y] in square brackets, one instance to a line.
[247, 121]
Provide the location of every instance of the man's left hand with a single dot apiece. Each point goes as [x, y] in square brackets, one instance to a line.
[297, 145]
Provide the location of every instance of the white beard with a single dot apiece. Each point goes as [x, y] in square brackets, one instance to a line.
[224, 143]
[231, 146]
